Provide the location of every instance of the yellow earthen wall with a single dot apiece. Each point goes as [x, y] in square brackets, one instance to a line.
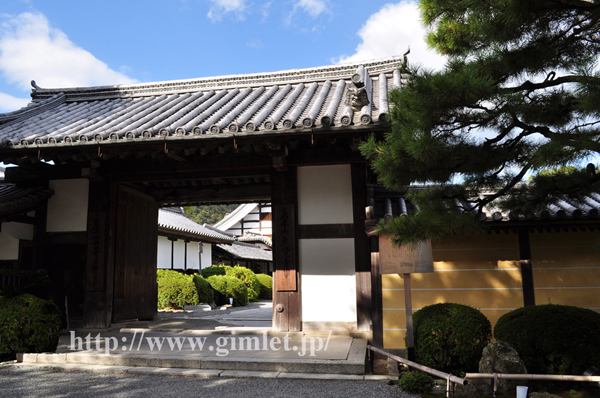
[483, 272]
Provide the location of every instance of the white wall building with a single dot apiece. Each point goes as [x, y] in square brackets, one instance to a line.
[184, 244]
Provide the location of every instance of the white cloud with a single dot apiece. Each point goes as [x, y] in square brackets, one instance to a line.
[312, 7]
[30, 49]
[390, 32]
[222, 7]
[9, 103]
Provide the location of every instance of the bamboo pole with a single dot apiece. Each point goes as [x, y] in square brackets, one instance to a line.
[507, 376]
[426, 369]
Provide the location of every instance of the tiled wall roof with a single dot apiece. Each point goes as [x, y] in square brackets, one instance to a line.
[198, 108]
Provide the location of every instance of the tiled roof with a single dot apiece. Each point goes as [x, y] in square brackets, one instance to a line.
[247, 251]
[171, 220]
[16, 199]
[252, 237]
[198, 108]
[386, 203]
[235, 216]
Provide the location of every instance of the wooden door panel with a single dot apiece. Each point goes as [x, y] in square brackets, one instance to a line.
[135, 256]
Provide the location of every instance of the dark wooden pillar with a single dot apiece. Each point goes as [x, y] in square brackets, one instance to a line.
[100, 255]
[376, 294]
[362, 256]
[40, 251]
[526, 268]
[286, 280]
[185, 245]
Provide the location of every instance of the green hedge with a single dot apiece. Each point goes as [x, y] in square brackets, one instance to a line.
[416, 383]
[29, 282]
[175, 289]
[205, 292]
[28, 324]
[214, 270]
[552, 339]
[266, 286]
[230, 286]
[450, 337]
[247, 276]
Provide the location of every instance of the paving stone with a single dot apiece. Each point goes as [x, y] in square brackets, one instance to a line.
[319, 376]
[253, 374]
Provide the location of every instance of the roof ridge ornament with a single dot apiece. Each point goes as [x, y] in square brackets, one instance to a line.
[357, 96]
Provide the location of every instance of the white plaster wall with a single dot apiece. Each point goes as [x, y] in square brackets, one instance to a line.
[68, 207]
[18, 230]
[192, 255]
[164, 253]
[178, 258]
[207, 255]
[325, 195]
[9, 246]
[328, 282]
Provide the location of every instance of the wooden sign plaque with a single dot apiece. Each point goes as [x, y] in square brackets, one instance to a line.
[406, 259]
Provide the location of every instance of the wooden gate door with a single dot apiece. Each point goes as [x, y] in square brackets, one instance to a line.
[135, 291]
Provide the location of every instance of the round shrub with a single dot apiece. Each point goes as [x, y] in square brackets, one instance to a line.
[30, 282]
[205, 292]
[552, 339]
[214, 270]
[416, 382]
[266, 286]
[230, 286]
[176, 290]
[450, 337]
[249, 278]
[28, 324]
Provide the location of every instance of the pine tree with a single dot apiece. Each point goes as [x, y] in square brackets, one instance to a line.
[520, 93]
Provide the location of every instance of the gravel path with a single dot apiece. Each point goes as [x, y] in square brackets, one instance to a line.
[259, 307]
[28, 382]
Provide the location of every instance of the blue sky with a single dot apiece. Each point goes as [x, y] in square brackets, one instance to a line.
[66, 43]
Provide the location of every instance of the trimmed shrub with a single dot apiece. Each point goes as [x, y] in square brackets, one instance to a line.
[416, 382]
[249, 278]
[214, 270]
[266, 286]
[552, 339]
[28, 324]
[450, 337]
[230, 286]
[175, 290]
[30, 282]
[205, 292]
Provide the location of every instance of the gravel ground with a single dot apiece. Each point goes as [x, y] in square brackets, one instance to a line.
[162, 314]
[25, 381]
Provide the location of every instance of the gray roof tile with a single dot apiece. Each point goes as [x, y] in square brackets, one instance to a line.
[197, 108]
[247, 251]
[172, 220]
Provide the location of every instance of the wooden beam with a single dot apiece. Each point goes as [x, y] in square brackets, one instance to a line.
[526, 268]
[326, 231]
[214, 193]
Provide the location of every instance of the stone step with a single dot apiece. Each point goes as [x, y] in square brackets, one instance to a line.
[353, 364]
[204, 373]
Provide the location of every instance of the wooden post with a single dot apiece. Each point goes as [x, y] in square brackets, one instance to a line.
[410, 340]
[376, 294]
[287, 315]
[100, 258]
[526, 268]
[172, 252]
[185, 244]
[362, 259]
